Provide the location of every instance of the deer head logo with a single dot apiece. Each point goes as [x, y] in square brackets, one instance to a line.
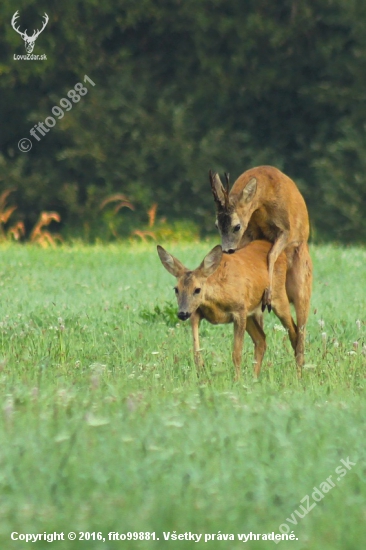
[29, 40]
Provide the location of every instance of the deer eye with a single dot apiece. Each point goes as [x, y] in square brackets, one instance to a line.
[236, 228]
[176, 290]
[197, 291]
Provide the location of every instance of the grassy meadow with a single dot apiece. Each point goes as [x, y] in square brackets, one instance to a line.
[105, 426]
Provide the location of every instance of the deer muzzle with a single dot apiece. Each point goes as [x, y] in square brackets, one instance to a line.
[183, 315]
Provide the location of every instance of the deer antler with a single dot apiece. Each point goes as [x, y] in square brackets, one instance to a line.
[212, 176]
[37, 33]
[13, 21]
[227, 178]
[221, 195]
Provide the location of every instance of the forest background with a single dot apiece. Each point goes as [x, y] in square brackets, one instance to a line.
[181, 86]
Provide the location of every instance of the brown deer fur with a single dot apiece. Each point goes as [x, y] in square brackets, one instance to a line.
[266, 204]
[229, 289]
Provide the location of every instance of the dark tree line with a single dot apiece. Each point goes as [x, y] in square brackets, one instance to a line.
[180, 87]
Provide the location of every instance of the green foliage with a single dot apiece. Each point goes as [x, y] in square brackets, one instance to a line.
[104, 425]
[182, 87]
[167, 314]
[177, 231]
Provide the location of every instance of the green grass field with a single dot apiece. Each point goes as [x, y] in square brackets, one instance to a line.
[106, 428]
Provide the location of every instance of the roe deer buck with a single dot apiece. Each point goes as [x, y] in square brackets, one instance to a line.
[266, 204]
[229, 289]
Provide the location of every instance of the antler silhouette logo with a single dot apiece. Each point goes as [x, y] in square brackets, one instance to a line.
[29, 40]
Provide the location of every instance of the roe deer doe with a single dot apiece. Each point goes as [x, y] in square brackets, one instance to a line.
[229, 289]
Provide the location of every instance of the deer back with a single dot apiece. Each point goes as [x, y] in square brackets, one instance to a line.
[241, 278]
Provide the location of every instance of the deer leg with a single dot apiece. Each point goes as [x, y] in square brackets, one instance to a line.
[256, 333]
[239, 330]
[258, 316]
[278, 246]
[195, 323]
[298, 286]
[281, 307]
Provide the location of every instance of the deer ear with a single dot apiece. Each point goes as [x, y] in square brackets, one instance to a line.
[249, 190]
[171, 264]
[217, 188]
[211, 262]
